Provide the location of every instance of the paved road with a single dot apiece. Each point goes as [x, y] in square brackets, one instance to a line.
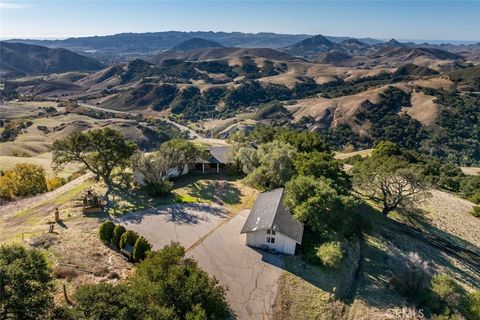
[192, 134]
[251, 276]
[184, 223]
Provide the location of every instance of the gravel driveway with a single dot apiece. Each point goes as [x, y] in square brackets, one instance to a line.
[251, 276]
[183, 223]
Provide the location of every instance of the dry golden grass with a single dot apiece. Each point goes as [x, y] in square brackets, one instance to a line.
[472, 171]
[298, 299]
[435, 83]
[362, 153]
[423, 109]
[44, 160]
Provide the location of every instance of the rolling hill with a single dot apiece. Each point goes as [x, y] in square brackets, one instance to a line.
[22, 59]
[196, 43]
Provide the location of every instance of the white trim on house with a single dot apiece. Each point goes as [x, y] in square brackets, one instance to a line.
[278, 241]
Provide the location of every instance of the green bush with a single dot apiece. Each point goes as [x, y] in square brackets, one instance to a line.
[106, 231]
[476, 198]
[446, 290]
[330, 253]
[476, 211]
[117, 234]
[129, 237]
[472, 305]
[140, 249]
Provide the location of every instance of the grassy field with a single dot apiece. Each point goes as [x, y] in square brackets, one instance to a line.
[221, 188]
[44, 160]
[362, 153]
[441, 231]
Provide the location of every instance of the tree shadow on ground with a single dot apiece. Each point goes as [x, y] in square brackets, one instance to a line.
[388, 237]
[222, 192]
[188, 213]
[368, 279]
[208, 187]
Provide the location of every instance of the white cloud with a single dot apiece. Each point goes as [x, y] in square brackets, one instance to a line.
[4, 5]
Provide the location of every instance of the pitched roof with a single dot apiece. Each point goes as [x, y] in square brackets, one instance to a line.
[219, 154]
[268, 212]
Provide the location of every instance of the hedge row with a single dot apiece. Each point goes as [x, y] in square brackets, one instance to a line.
[120, 237]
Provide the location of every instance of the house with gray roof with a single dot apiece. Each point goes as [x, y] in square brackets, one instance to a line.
[270, 225]
[218, 157]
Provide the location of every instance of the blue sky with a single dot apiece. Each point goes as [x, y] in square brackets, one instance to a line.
[385, 19]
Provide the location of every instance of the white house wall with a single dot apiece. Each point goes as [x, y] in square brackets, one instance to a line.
[283, 243]
[171, 173]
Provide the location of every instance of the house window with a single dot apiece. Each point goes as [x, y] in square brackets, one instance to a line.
[273, 232]
[268, 231]
[270, 240]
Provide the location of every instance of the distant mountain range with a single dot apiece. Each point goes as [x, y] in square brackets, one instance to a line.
[127, 45]
[22, 59]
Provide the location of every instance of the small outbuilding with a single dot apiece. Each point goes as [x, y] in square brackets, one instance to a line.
[271, 226]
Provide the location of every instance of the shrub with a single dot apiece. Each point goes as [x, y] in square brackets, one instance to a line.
[330, 253]
[159, 189]
[31, 179]
[476, 198]
[117, 234]
[410, 275]
[472, 305]
[64, 273]
[129, 237]
[140, 249]
[447, 290]
[106, 231]
[26, 284]
[23, 180]
[54, 183]
[476, 211]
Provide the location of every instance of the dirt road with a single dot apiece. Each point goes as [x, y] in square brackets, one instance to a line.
[12, 207]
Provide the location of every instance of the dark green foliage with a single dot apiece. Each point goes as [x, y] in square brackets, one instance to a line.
[99, 150]
[476, 211]
[216, 66]
[136, 70]
[106, 301]
[342, 135]
[390, 180]
[164, 95]
[386, 149]
[323, 164]
[129, 237]
[275, 112]
[26, 286]
[475, 198]
[316, 203]
[302, 140]
[468, 77]
[168, 279]
[117, 234]
[252, 93]
[140, 249]
[106, 231]
[387, 124]
[411, 69]
[460, 121]
[403, 129]
[185, 99]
